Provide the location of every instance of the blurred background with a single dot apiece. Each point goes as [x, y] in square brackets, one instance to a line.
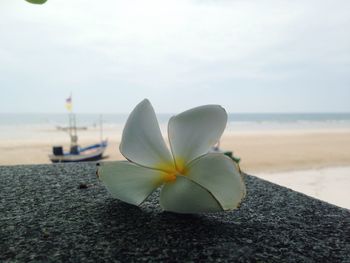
[281, 69]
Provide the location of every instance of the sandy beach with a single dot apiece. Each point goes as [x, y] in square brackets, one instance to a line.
[289, 151]
[260, 151]
[272, 155]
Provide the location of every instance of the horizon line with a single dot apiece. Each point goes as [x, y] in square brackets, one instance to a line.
[172, 113]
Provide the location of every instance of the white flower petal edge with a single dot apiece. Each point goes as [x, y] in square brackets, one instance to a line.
[142, 141]
[220, 176]
[186, 197]
[193, 132]
[128, 182]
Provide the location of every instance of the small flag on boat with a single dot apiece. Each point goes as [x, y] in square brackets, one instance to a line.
[69, 103]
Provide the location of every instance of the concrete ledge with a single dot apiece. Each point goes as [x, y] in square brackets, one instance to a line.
[44, 216]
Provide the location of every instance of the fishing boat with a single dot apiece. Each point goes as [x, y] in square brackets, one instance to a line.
[77, 153]
[90, 153]
[65, 128]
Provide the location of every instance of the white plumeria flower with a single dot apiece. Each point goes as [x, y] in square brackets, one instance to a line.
[193, 180]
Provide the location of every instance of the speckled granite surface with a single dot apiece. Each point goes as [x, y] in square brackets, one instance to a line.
[45, 216]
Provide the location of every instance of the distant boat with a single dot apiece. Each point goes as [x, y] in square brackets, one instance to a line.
[66, 128]
[76, 153]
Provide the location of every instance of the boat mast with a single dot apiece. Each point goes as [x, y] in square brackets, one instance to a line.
[72, 129]
[101, 128]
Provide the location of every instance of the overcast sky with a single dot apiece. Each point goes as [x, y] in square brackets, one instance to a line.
[249, 56]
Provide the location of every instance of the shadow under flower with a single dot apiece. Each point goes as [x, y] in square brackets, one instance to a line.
[142, 224]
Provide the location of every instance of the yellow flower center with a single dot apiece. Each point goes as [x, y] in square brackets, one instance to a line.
[169, 177]
[171, 171]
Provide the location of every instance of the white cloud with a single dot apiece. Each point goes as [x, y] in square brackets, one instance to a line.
[156, 48]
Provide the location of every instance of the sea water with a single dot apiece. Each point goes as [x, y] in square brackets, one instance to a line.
[21, 125]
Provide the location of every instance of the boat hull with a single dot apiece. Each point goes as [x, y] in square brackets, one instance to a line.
[91, 153]
[73, 160]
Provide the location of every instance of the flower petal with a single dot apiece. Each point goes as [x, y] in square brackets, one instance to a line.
[129, 182]
[193, 132]
[220, 176]
[185, 196]
[142, 141]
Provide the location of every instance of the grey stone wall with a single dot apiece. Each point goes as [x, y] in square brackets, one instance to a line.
[47, 214]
